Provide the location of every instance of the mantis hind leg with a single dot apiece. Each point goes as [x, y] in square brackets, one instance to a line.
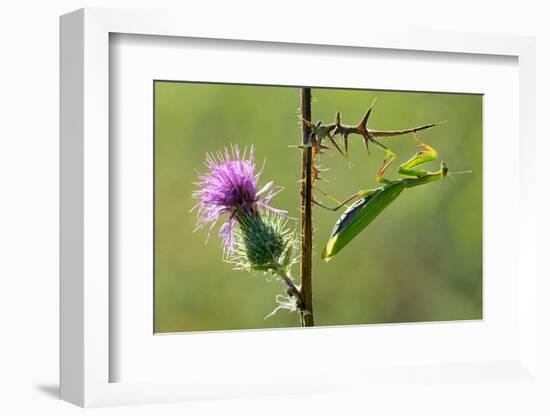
[359, 194]
[337, 207]
[390, 157]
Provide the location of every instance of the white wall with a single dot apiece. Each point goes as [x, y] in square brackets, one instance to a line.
[29, 182]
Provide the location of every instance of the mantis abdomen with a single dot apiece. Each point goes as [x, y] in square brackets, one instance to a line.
[358, 216]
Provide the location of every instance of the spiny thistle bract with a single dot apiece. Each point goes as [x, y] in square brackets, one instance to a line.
[263, 243]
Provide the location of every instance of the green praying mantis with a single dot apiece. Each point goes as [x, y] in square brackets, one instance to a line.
[372, 202]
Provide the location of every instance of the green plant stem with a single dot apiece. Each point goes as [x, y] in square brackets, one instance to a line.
[292, 290]
[306, 213]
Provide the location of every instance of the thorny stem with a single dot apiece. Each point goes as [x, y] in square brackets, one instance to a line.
[306, 213]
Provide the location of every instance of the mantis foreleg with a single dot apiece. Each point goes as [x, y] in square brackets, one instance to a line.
[421, 176]
[424, 155]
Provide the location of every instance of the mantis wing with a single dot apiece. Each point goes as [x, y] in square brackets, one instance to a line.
[358, 216]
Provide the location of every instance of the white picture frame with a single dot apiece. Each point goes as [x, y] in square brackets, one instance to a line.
[87, 356]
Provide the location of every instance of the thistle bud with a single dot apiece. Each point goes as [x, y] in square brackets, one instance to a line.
[263, 242]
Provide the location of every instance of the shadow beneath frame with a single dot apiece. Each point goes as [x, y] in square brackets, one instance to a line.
[51, 390]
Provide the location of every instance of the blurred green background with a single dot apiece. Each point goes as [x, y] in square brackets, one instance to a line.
[421, 260]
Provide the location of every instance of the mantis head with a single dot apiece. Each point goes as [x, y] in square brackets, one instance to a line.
[444, 169]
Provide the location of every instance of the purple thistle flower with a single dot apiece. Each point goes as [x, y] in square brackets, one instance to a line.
[231, 187]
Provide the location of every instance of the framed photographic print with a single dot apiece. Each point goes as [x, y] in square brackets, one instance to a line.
[232, 206]
[423, 264]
